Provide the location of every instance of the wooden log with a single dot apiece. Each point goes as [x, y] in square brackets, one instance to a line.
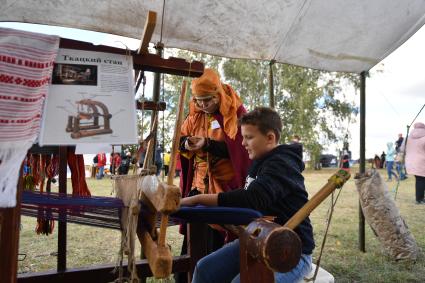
[279, 248]
[150, 105]
[159, 257]
[163, 198]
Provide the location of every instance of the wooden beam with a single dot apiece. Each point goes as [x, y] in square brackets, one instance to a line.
[9, 237]
[164, 198]
[159, 257]
[147, 62]
[62, 224]
[150, 105]
[147, 32]
[99, 273]
[146, 38]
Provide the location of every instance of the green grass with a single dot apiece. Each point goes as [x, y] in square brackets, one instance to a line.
[89, 246]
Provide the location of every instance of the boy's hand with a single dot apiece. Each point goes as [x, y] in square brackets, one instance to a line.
[188, 201]
[201, 199]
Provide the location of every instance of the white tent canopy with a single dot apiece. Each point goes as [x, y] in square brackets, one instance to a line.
[334, 35]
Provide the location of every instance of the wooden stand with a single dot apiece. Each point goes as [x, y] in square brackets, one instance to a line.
[165, 199]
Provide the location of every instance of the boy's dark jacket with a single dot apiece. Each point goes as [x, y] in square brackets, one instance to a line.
[277, 189]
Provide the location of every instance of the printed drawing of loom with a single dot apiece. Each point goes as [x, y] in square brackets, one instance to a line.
[86, 122]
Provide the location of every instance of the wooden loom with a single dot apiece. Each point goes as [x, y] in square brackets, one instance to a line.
[79, 129]
[164, 199]
[256, 235]
[9, 218]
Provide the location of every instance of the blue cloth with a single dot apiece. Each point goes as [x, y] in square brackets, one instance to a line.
[223, 266]
[217, 215]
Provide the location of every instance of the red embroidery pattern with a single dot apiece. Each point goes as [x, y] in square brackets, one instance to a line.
[23, 99]
[9, 79]
[26, 63]
[19, 121]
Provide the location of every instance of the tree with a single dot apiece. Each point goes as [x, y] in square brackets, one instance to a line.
[250, 80]
[311, 103]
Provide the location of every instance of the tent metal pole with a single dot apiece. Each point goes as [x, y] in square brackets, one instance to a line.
[155, 97]
[362, 154]
[271, 86]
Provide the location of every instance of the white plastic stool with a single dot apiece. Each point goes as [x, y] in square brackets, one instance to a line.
[322, 276]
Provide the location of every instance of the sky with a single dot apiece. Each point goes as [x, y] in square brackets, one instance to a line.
[393, 97]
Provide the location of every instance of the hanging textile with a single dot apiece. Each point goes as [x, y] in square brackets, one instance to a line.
[78, 174]
[26, 62]
[384, 218]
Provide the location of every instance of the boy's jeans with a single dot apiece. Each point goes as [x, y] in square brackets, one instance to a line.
[223, 266]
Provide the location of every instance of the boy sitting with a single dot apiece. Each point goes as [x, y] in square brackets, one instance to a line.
[274, 186]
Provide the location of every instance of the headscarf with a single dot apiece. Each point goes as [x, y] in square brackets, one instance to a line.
[209, 84]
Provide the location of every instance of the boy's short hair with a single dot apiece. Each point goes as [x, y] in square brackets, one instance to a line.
[265, 118]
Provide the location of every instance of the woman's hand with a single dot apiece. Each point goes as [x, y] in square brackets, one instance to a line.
[194, 143]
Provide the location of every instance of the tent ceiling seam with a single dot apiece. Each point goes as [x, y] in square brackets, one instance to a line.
[301, 11]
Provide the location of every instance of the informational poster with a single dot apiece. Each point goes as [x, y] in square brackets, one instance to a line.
[90, 100]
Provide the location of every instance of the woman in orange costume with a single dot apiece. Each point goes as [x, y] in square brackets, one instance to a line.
[213, 159]
[212, 156]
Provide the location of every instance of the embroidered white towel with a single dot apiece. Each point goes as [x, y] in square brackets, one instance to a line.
[26, 63]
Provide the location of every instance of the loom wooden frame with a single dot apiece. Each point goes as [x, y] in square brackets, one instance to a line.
[10, 217]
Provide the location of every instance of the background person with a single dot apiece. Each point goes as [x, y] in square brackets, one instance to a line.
[101, 163]
[390, 161]
[415, 159]
[125, 164]
[167, 157]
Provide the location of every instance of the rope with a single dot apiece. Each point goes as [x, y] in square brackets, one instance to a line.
[162, 20]
[163, 125]
[322, 247]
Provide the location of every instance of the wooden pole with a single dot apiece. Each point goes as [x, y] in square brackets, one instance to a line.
[336, 181]
[10, 219]
[174, 151]
[62, 228]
